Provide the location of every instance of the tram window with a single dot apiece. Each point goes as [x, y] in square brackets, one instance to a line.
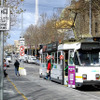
[71, 60]
[76, 59]
[45, 60]
[55, 57]
[41, 58]
[59, 53]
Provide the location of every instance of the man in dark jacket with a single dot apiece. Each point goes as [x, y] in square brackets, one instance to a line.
[16, 64]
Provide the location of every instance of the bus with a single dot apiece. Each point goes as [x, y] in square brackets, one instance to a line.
[74, 64]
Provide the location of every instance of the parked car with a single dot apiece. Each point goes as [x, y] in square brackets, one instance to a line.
[25, 58]
[9, 58]
[31, 59]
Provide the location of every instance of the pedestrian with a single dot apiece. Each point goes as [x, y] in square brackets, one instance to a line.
[16, 64]
[5, 68]
[48, 70]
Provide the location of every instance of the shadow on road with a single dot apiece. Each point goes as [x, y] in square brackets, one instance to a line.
[88, 88]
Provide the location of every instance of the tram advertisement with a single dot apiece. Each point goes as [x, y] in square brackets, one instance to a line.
[71, 76]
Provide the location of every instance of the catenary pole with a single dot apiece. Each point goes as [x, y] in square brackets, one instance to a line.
[90, 17]
[2, 56]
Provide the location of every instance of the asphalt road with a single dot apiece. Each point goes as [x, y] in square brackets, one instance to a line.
[31, 87]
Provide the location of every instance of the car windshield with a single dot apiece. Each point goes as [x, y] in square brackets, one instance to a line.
[88, 58]
[33, 58]
[8, 57]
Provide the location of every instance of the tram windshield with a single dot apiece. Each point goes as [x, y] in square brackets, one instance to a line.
[89, 58]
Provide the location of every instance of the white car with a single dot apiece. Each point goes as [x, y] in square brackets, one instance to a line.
[26, 58]
[32, 59]
[8, 58]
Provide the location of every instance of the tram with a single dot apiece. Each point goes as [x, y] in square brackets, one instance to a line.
[73, 63]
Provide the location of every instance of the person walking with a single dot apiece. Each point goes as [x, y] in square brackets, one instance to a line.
[16, 64]
[48, 70]
[5, 68]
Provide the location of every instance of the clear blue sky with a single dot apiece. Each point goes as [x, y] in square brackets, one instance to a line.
[47, 6]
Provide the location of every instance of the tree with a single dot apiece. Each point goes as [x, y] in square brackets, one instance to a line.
[15, 10]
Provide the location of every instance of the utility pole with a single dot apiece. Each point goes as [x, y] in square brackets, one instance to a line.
[36, 21]
[2, 56]
[90, 17]
[22, 21]
[5, 26]
[36, 12]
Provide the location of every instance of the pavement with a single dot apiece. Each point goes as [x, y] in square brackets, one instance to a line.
[10, 91]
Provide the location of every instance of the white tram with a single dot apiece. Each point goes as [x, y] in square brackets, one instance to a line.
[73, 64]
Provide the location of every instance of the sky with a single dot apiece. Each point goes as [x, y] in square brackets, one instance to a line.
[44, 6]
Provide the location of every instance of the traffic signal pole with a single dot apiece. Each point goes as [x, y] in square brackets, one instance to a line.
[2, 56]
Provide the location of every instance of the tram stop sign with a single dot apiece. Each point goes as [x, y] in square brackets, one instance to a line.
[4, 18]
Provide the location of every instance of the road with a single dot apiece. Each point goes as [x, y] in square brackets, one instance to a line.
[31, 87]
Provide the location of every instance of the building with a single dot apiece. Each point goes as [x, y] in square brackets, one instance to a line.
[16, 46]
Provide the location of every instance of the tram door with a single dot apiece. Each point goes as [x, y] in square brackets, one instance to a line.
[66, 67]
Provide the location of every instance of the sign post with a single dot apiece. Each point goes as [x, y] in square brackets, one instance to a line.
[4, 25]
[22, 48]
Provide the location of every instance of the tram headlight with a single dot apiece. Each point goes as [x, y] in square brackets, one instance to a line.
[97, 76]
[84, 76]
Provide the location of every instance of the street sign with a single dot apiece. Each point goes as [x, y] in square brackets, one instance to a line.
[21, 53]
[21, 48]
[4, 18]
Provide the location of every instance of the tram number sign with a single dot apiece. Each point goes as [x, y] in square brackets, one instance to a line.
[21, 48]
[61, 57]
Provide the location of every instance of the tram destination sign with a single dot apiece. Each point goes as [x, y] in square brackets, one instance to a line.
[4, 18]
[50, 47]
[90, 46]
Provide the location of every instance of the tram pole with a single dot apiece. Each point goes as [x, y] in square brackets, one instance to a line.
[2, 56]
[90, 17]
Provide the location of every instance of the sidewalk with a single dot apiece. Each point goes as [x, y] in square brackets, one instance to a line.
[9, 91]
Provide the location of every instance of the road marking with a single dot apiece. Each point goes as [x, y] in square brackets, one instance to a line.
[17, 89]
